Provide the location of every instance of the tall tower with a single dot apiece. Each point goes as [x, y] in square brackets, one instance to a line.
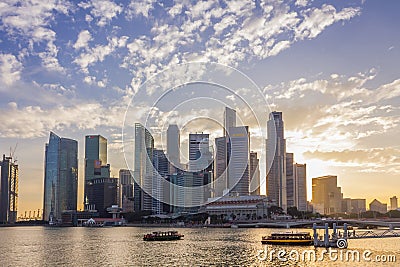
[173, 146]
[290, 185]
[161, 171]
[8, 190]
[199, 152]
[239, 171]
[254, 174]
[95, 164]
[276, 160]
[143, 168]
[300, 186]
[60, 177]
[220, 166]
[229, 120]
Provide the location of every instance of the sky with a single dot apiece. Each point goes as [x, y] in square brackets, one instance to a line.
[78, 68]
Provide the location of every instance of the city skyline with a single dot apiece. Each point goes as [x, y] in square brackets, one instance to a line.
[330, 68]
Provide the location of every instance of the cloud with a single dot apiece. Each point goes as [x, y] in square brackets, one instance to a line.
[103, 10]
[10, 69]
[83, 40]
[143, 8]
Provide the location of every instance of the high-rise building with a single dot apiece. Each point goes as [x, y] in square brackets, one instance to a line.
[326, 195]
[393, 203]
[143, 169]
[126, 190]
[276, 160]
[239, 169]
[220, 166]
[254, 174]
[173, 147]
[200, 156]
[8, 190]
[60, 177]
[290, 186]
[300, 186]
[161, 172]
[355, 206]
[95, 163]
[185, 195]
[229, 120]
[103, 193]
[378, 206]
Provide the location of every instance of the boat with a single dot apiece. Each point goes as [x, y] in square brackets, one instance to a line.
[288, 238]
[163, 236]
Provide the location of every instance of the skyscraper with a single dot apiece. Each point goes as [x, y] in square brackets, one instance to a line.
[8, 190]
[254, 174]
[200, 156]
[300, 186]
[229, 120]
[276, 160]
[239, 171]
[60, 177]
[173, 146]
[393, 203]
[161, 170]
[290, 186]
[143, 168]
[220, 166]
[95, 162]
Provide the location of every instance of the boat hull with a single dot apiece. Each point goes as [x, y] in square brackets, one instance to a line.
[163, 238]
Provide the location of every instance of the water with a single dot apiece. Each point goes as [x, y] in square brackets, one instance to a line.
[123, 246]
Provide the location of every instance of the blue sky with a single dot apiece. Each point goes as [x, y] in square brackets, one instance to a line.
[331, 67]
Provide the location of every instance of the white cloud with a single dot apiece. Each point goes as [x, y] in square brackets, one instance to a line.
[136, 8]
[103, 10]
[83, 39]
[10, 69]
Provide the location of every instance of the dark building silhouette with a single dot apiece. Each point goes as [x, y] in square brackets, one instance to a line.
[103, 193]
[8, 190]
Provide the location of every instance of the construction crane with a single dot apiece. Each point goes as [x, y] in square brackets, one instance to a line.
[12, 152]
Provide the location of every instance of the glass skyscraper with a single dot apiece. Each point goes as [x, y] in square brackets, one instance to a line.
[60, 178]
[276, 160]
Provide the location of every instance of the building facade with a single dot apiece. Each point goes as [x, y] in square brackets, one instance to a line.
[326, 195]
[103, 193]
[61, 177]
[378, 206]
[290, 185]
[254, 174]
[239, 162]
[173, 147]
[126, 190]
[300, 186]
[8, 190]
[393, 203]
[95, 163]
[143, 169]
[276, 160]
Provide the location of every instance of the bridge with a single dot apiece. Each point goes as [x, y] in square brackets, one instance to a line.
[392, 225]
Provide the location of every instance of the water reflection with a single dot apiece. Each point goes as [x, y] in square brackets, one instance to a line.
[42, 246]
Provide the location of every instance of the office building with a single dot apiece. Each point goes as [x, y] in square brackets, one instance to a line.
[300, 186]
[229, 120]
[103, 193]
[8, 190]
[160, 175]
[220, 166]
[378, 206]
[326, 195]
[186, 195]
[200, 156]
[254, 174]
[60, 177]
[290, 186]
[276, 160]
[173, 147]
[353, 206]
[126, 190]
[143, 169]
[95, 164]
[393, 203]
[239, 169]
